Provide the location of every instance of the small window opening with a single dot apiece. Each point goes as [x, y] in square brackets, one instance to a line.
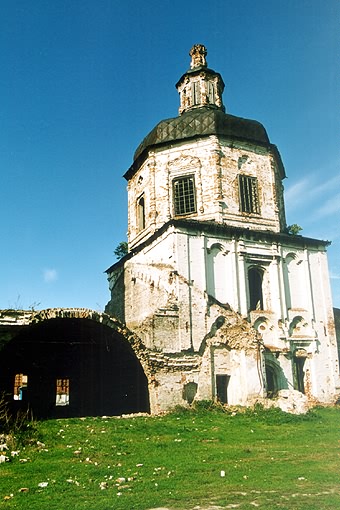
[248, 190]
[20, 385]
[271, 383]
[184, 195]
[141, 213]
[255, 277]
[299, 374]
[63, 392]
[196, 93]
[211, 93]
[222, 382]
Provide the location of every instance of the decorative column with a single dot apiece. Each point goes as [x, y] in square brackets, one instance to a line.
[241, 278]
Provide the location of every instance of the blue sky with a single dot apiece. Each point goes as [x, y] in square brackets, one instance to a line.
[83, 81]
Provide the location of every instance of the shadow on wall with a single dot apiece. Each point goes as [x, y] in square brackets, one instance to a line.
[72, 367]
[337, 327]
[116, 306]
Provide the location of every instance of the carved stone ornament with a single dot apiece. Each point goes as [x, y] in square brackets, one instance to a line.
[198, 53]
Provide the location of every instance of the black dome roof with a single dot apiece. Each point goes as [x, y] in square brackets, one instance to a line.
[203, 122]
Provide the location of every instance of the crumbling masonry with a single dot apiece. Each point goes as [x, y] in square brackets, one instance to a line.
[214, 300]
[234, 306]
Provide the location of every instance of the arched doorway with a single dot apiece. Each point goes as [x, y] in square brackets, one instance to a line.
[67, 367]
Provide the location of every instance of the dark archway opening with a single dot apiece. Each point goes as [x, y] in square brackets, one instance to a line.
[73, 367]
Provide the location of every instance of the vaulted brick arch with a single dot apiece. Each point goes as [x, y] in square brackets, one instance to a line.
[75, 362]
[101, 318]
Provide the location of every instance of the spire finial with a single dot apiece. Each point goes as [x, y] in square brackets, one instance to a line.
[198, 53]
[200, 87]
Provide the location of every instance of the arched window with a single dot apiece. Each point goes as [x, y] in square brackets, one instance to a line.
[141, 213]
[255, 278]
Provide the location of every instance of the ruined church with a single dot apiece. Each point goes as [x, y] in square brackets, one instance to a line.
[215, 299]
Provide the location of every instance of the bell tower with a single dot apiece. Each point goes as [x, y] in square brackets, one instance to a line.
[200, 86]
[204, 164]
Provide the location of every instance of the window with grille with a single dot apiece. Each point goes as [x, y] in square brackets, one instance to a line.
[20, 384]
[249, 197]
[63, 392]
[184, 195]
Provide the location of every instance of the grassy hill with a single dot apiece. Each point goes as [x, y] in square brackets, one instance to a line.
[242, 459]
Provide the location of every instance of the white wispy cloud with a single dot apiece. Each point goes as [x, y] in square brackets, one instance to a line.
[326, 186]
[315, 196]
[294, 193]
[50, 275]
[334, 276]
[331, 206]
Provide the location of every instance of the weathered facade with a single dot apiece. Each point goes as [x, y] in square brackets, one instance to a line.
[215, 299]
[228, 304]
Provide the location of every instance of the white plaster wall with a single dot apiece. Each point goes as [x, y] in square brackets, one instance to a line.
[167, 392]
[167, 284]
[171, 277]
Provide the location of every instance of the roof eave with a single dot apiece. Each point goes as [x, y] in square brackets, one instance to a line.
[222, 228]
[144, 154]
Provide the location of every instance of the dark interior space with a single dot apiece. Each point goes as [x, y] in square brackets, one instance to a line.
[222, 382]
[255, 277]
[299, 374]
[72, 367]
[271, 383]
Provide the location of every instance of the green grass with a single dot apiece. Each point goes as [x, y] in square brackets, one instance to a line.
[271, 460]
